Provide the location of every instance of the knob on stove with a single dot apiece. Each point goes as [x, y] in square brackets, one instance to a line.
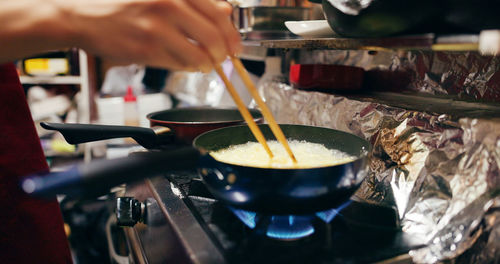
[129, 211]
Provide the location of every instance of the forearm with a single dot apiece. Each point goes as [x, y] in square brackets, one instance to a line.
[174, 34]
[28, 27]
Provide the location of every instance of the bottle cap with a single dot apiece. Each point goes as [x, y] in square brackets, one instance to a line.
[130, 97]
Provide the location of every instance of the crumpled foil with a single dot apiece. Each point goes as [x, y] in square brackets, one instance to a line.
[463, 75]
[442, 174]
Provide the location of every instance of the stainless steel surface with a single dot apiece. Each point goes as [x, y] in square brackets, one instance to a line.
[191, 236]
[486, 43]
[442, 173]
[404, 42]
[254, 3]
[267, 22]
[137, 252]
[464, 42]
[170, 233]
[115, 257]
[252, 50]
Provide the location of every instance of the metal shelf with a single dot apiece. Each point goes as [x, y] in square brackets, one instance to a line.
[487, 43]
[407, 42]
[82, 80]
[50, 79]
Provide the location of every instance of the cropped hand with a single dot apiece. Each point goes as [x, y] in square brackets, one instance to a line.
[173, 34]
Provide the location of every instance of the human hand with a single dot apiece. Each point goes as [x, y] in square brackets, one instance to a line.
[173, 34]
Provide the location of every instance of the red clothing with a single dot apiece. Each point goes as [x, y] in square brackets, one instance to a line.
[31, 230]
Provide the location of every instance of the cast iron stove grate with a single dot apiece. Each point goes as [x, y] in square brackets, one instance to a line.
[360, 233]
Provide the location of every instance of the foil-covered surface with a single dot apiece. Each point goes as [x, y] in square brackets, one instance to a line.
[463, 75]
[441, 174]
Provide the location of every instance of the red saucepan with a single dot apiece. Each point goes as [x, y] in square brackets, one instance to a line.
[179, 125]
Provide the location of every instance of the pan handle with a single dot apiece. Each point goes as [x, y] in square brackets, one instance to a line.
[98, 177]
[82, 133]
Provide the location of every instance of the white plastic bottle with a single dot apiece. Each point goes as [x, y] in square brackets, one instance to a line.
[131, 110]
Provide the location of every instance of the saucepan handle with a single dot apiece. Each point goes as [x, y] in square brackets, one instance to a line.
[97, 177]
[82, 133]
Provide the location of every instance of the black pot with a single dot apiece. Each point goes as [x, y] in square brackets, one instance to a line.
[380, 18]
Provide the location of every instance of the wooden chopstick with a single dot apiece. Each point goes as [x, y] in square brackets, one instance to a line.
[275, 128]
[244, 111]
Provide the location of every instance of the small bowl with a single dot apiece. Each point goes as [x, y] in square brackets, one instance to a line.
[310, 28]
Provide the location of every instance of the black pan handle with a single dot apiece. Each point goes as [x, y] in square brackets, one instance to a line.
[82, 133]
[98, 177]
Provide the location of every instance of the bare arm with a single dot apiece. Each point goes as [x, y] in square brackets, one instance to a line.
[174, 34]
[28, 27]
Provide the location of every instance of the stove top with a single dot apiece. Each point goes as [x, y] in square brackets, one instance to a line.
[211, 232]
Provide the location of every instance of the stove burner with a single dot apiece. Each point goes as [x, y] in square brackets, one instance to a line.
[289, 227]
[286, 227]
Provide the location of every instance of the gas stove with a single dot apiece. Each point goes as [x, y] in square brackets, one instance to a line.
[183, 223]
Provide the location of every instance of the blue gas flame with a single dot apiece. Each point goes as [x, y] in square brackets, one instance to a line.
[289, 227]
[248, 218]
[328, 215]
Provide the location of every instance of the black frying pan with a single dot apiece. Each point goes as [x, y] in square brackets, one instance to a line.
[273, 191]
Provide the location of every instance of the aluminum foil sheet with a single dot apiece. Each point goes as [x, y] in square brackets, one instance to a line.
[464, 75]
[441, 174]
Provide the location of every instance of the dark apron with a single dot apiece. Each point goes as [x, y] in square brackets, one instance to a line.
[31, 230]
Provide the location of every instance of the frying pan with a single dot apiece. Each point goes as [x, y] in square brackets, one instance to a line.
[180, 125]
[266, 190]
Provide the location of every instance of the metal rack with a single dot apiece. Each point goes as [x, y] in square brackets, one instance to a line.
[487, 43]
[82, 80]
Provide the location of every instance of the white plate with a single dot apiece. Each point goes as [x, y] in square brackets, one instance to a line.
[310, 28]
